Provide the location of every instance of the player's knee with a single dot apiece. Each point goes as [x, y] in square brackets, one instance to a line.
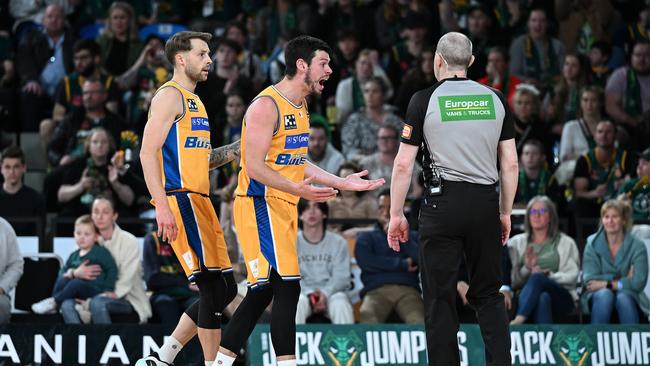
[212, 288]
[231, 287]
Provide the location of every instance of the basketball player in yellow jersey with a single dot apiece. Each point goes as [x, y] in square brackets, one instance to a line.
[176, 155]
[274, 174]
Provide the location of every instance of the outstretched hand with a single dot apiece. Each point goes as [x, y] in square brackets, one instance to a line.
[314, 193]
[398, 232]
[355, 182]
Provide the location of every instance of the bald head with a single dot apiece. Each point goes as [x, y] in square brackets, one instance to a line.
[456, 49]
[54, 19]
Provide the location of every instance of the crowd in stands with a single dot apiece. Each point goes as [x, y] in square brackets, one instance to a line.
[80, 75]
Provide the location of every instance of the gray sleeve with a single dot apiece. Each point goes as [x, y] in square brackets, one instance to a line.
[340, 280]
[14, 260]
[517, 59]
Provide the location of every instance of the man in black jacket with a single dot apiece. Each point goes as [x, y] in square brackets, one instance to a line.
[44, 57]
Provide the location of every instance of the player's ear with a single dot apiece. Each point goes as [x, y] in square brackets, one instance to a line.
[301, 64]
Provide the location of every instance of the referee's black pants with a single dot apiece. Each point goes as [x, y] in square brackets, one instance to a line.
[464, 219]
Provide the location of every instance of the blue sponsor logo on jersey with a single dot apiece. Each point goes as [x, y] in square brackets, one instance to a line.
[291, 159]
[200, 124]
[194, 142]
[296, 141]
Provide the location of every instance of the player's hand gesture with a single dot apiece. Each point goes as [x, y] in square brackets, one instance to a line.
[398, 232]
[167, 228]
[355, 182]
[314, 193]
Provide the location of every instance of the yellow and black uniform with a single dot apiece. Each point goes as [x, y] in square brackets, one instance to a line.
[269, 241]
[184, 159]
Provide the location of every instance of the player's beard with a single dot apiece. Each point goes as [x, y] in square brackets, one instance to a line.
[310, 83]
[193, 74]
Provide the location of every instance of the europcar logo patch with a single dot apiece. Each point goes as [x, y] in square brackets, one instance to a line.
[466, 107]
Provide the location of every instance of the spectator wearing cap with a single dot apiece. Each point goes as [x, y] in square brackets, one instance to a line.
[536, 57]
[498, 74]
[390, 19]
[320, 151]
[637, 190]
[403, 55]
[223, 79]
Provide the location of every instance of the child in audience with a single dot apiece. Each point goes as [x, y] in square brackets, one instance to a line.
[89, 252]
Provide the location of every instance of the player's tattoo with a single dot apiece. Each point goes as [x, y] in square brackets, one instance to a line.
[224, 154]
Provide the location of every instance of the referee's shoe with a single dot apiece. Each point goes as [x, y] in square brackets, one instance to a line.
[152, 360]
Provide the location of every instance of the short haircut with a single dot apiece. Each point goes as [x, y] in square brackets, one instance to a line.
[104, 197]
[502, 51]
[13, 152]
[85, 220]
[302, 47]
[456, 49]
[379, 81]
[89, 45]
[623, 208]
[182, 42]
[538, 144]
[393, 128]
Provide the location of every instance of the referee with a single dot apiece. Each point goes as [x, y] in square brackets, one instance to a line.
[463, 128]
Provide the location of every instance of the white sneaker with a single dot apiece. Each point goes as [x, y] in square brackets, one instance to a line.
[152, 360]
[45, 306]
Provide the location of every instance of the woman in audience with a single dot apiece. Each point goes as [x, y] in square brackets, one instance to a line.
[545, 265]
[566, 100]
[615, 268]
[129, 297]
[119, 42]
[94, 175]
[359, 133]
[578, 134]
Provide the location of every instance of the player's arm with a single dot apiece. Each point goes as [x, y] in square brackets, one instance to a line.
[509, 173]
[352, 182]
[224, 154]
[261, 120]
[165, 107]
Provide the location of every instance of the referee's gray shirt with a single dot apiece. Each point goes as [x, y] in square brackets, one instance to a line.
[458, 123]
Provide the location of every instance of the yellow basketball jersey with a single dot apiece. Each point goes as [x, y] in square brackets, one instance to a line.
[184, 156]
[288, 151]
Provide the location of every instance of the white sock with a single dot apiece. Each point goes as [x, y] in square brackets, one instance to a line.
[223, 360]
[169, 350]
[287, 362]
[208, 363]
